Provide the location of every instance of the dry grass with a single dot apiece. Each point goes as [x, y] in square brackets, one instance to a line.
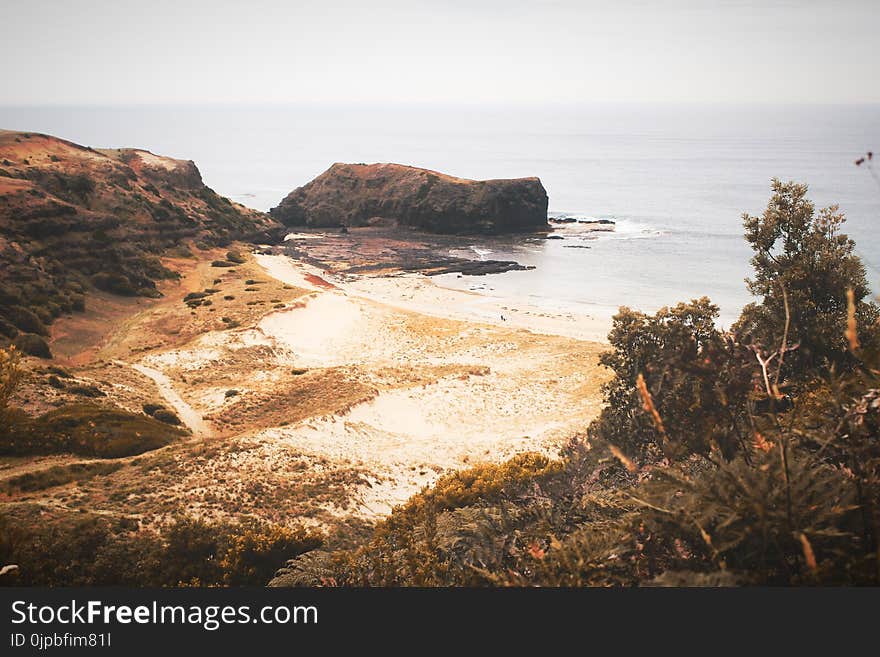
[293, 398]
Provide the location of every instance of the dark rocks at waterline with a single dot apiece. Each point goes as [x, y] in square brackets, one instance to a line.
[573, 220]
[390, 250]
[439, 266]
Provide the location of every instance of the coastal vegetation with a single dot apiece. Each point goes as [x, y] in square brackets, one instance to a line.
[80, 549]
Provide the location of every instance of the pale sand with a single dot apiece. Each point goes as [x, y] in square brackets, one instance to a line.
[421, 294]
[150, 159]
[541, 388]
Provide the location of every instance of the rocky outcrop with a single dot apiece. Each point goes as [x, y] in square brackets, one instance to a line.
[74, 218]
[369, 194]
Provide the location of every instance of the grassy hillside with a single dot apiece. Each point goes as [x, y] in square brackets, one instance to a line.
[75, 219]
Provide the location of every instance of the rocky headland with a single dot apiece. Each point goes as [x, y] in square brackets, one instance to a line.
[394, 194]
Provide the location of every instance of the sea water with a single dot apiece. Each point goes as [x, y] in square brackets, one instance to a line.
[675, 179]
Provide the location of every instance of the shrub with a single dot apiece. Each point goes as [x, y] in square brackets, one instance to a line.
[802, 261]
[11, 376]
[235, 257]
[151, 408]
[80, 185]
[166, 416]
[70, 549]
[114, 282]
[7, 329]
[86, 390]
[253, 550]
[55, 382]
[26, 320]
[89, 430]
[59, 372]
[32, 345]
[698, 380]
[9, 295]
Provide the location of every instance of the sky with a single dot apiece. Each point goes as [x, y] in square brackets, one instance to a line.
[439, 51]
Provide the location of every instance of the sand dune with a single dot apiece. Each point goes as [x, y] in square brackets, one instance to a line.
[316, 400]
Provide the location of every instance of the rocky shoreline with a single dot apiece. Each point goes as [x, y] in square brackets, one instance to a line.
[378, 251]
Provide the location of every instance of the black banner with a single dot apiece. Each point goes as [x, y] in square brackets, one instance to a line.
[127, 621]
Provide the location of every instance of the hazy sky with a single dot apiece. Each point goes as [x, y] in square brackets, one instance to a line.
[169, 51]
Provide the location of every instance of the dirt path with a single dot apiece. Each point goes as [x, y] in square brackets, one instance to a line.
[188, 415]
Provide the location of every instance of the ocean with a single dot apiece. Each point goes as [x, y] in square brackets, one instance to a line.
[675, 178]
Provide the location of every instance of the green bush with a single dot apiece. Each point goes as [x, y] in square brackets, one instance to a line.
[697, 377]
[802, 260]
[11, 376]
[55, 382]
[32, 345]
[59, 371]
[86, 390]
[88, 430]
[25, 320]
[150, 408]
[114, 282]
[79, 185]
[166, 416]
[71, 549]
[7, 329]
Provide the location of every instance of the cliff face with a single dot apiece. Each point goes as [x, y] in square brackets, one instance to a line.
[363, 194]
[73, 218]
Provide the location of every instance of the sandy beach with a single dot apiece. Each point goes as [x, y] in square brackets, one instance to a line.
[526, 383]
[318, 399]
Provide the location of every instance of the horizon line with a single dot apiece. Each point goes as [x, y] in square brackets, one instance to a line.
[439, 103]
